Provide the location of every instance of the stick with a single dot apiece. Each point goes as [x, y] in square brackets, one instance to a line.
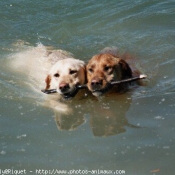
[129, 80]
[51, 91]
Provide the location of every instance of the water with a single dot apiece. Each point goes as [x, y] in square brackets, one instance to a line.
[133, 132]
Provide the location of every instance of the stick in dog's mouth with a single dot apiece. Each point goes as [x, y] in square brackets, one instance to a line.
[142, 76]
[51, 91]
[78, 87]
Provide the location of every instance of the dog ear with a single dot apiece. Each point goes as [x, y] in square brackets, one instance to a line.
[126, 71]
[82, 75]
[85, 73]
[48, 80]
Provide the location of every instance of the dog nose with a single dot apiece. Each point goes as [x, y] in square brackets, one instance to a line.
[95, 82]
[63, 86]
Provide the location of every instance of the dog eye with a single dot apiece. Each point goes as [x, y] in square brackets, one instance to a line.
[56, 75]
[90, 70]
[73, 71]
[107, 68]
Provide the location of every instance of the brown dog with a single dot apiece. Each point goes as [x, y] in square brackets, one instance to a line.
[105, 68]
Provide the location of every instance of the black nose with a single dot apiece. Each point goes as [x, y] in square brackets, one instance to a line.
[96, 84]
[64, 87]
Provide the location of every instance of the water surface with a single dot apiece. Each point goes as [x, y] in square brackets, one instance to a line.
[132, 131]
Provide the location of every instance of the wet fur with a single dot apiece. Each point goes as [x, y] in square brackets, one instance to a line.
[104, 68]
[37, 66]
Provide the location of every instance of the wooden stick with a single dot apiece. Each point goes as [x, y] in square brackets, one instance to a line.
[51, 91]
[129, 80]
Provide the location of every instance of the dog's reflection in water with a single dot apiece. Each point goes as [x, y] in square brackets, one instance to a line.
[107, 116]
[68, 122]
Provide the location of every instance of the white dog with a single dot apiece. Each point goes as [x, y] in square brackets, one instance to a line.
[65, 75]
[52, 69]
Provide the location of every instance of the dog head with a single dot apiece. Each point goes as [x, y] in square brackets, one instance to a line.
[65, 75]
[102, 69]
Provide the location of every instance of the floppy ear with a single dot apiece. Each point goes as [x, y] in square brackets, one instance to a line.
[82, 75]
[126, 71]
[48, 80]
[85, 74]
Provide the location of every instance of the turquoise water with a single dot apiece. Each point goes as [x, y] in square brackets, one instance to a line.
[133, 132]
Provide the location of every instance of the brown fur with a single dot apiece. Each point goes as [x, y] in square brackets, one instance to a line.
[48, 81]
[104, 68]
